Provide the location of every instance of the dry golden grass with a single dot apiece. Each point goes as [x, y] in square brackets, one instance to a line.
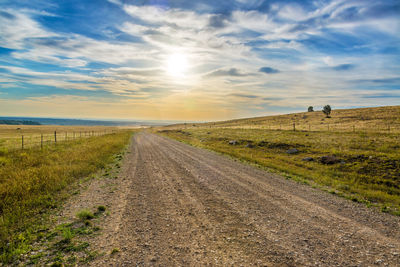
[34, 181]
[11, 135]
[380, 119]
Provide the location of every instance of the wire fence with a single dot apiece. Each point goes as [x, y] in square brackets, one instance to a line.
[294, 126]
[42, 140]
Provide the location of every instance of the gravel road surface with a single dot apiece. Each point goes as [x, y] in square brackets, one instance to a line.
[184, 206]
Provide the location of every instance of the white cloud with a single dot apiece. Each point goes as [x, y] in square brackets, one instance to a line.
[18, 27]
[293, 12]
[158, 15]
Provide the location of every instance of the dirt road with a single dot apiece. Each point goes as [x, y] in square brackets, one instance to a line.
[184, 206]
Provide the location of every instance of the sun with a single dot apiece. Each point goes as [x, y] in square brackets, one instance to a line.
[177, 65]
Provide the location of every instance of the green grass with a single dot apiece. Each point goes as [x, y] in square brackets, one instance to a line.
[84, 215]
[114, 250]
[32, 182]
[65, 244]
[369, 173]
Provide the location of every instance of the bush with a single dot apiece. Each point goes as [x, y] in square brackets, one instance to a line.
[310, 109]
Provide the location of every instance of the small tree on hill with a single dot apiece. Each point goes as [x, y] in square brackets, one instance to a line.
[327, 110]
[310, 109]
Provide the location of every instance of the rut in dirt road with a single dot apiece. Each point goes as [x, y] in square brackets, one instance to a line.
[185, 206]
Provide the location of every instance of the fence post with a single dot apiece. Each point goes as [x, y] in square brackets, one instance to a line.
[41, 141]
[294, 126]
[22, 141]
[55, 137]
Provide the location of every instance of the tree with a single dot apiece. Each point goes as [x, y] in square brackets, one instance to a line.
[327, 111]
[310, 109]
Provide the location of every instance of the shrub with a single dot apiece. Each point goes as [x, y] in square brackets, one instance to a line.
[310, 109]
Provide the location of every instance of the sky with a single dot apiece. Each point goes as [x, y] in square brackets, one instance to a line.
[197, 60]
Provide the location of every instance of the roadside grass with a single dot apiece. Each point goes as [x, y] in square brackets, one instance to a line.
[66, 244]
[34, 182]
[369, 171]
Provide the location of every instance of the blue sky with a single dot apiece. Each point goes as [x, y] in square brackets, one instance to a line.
[196, 60]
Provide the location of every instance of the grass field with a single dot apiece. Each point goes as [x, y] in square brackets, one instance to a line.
[366, 167]
[35, 181]
[11, 135]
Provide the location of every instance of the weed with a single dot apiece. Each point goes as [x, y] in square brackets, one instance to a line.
[80, 246]
[101, 208]
[84, 215]
[67, 234]
[89, 257]
[72, 259]
[384, 209]
[114, 250]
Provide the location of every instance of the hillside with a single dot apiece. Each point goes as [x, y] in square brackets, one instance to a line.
[365, 119]
[19, 122]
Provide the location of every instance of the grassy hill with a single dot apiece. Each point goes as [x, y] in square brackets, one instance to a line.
[360, 119]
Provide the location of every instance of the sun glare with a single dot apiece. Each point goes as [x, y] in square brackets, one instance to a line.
[177, 65]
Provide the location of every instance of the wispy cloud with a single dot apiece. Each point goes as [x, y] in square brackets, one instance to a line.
[276, 55]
